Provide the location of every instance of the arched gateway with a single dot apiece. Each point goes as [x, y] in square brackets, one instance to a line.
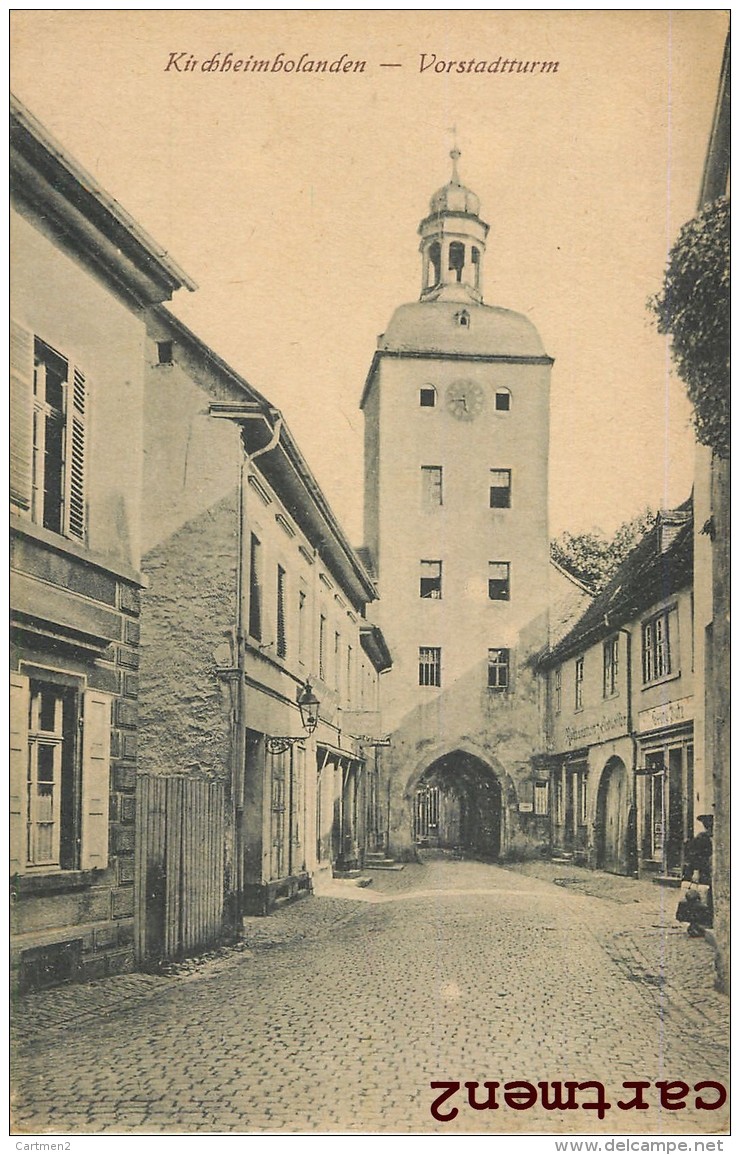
[612, 818]
[457, 803]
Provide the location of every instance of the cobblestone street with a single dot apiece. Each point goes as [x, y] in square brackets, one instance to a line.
[338, 1012]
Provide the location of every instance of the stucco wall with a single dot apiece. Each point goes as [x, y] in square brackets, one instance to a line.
[74, 312]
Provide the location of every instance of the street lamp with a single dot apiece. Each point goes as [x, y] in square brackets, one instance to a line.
[308, 705]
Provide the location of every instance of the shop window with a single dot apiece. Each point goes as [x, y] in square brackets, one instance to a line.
[499, 493]
[430, 579]
[498, 669]
[656, 645]
[578, 684]
[59, 776]
[611, 667]
[431, 486]
[498, 581]
[430, 666]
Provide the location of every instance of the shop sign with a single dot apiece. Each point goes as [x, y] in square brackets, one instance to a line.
[670, 714]
[612, 726]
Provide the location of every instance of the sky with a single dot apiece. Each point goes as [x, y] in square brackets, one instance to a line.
[293, 200]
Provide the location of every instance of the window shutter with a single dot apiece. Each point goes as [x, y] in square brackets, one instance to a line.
[74, 512]
[21, 414]
[95, 780]
[18, 771]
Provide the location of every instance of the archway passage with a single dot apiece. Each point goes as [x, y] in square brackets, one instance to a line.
[613, 818]
[458, 806]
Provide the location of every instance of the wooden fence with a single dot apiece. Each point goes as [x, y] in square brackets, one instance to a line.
[179, 881]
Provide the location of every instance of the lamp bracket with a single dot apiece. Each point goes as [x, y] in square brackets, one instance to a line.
[280, 745]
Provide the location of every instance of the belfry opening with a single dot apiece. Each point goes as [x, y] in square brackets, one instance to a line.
[457, 806]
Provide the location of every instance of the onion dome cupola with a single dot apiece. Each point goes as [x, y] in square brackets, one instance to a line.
[453, 241]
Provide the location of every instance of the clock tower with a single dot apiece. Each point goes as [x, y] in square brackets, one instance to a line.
[456, 407]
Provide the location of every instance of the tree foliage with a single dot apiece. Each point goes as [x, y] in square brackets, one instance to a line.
[693, 308]
[593, 557]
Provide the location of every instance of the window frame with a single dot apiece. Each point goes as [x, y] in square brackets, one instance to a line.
[430, 666]
[500, 489]
[255, 621]
[578, 679]
[610, 651]
[499, 583]
[49, 401]
[495, 668]
[657, 646]
[430, 586]
[432, 484]
[78, 785]
[281, 635]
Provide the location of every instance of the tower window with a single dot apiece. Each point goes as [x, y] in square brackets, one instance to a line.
[457, 259]
[498, 581]
[434, 271]
[431, 486]
[499, 494]
[428, 397]
[463, 319]
[430, 666]
[430, 579]
[475, 258]
[503, 400]
[498, 669]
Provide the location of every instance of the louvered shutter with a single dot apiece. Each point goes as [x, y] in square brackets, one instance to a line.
[18, 771]
[95, 780]
[21, 414]
[74, 507]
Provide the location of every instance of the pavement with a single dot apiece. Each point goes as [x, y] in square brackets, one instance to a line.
[336, 1013]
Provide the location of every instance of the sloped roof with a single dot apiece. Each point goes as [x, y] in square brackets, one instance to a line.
[646, 577]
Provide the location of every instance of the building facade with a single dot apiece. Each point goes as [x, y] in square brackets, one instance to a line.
[253, 594]
[456, 408]
[618, 777]
[83, 274]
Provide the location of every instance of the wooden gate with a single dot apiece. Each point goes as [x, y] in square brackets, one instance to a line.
[179, 878]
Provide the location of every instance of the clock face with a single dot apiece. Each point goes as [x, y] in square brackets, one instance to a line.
[465, 399]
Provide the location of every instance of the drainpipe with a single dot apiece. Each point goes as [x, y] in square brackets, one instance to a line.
[240, 719]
